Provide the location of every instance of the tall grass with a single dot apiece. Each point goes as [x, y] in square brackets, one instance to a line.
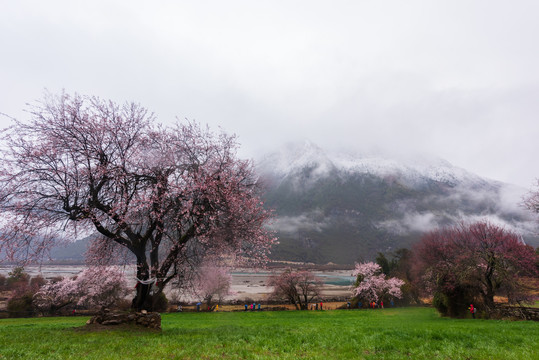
[407, 333]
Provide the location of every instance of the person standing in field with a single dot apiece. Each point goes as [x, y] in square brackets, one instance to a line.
[472, 310]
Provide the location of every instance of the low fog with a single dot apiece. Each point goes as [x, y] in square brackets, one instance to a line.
[458, 80]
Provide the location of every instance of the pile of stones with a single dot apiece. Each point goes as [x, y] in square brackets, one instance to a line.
[105, 317]
[517, 312]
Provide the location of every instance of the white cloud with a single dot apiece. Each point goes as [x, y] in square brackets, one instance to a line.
[313, 221]
[457, 79]
[411, 222]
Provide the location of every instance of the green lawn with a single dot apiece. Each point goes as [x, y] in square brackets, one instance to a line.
[406, 333]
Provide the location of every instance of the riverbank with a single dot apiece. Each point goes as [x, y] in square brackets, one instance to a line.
[247, 284]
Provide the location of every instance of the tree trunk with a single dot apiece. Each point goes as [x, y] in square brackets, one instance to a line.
[489, 293]
[489, 299]
[142, 300]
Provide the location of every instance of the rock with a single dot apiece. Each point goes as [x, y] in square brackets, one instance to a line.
[112, 322]
[144, 318]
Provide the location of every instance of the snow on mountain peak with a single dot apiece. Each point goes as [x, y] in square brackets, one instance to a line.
[295, 157]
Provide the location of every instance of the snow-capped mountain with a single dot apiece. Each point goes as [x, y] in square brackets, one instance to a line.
[343, 207]
[416, 171]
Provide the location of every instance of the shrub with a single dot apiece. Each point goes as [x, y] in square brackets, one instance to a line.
[160, 302]
[37, 282]
[440, 302]
[455, 303]
[21, 306]
[16, 277]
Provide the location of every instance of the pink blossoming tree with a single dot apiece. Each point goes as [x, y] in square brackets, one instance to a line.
[373, 285]
[56, 295]
[95, 286]
[169, 196]
[212, 282]
[473, 263]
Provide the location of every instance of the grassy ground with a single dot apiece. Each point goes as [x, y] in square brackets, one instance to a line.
[407, 333]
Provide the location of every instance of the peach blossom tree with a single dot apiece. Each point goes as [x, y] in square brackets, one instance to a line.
[373, 285]
[96, 286]
[168, 196]
[212, 282]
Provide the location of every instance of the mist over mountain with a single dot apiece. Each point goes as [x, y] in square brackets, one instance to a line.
[343, 207]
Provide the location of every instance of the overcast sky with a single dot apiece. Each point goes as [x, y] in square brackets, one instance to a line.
[454, 79]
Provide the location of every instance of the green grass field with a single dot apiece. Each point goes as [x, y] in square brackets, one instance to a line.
[406, 333]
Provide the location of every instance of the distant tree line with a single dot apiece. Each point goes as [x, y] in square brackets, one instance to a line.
[455, 267]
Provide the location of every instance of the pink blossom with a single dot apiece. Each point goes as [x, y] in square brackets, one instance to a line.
[372, 284]
[212, 282]
[94, 287]
[163, 194]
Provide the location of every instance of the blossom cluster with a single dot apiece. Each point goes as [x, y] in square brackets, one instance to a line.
[373, 285]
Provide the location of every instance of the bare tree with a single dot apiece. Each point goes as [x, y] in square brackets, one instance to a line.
[299, 288]
[532, 200]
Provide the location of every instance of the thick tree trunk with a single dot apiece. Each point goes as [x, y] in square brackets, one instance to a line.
[142, 300]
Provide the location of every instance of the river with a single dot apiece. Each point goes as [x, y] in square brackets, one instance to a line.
[246, 283]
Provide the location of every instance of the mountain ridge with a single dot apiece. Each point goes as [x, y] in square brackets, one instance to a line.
[344, 207]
